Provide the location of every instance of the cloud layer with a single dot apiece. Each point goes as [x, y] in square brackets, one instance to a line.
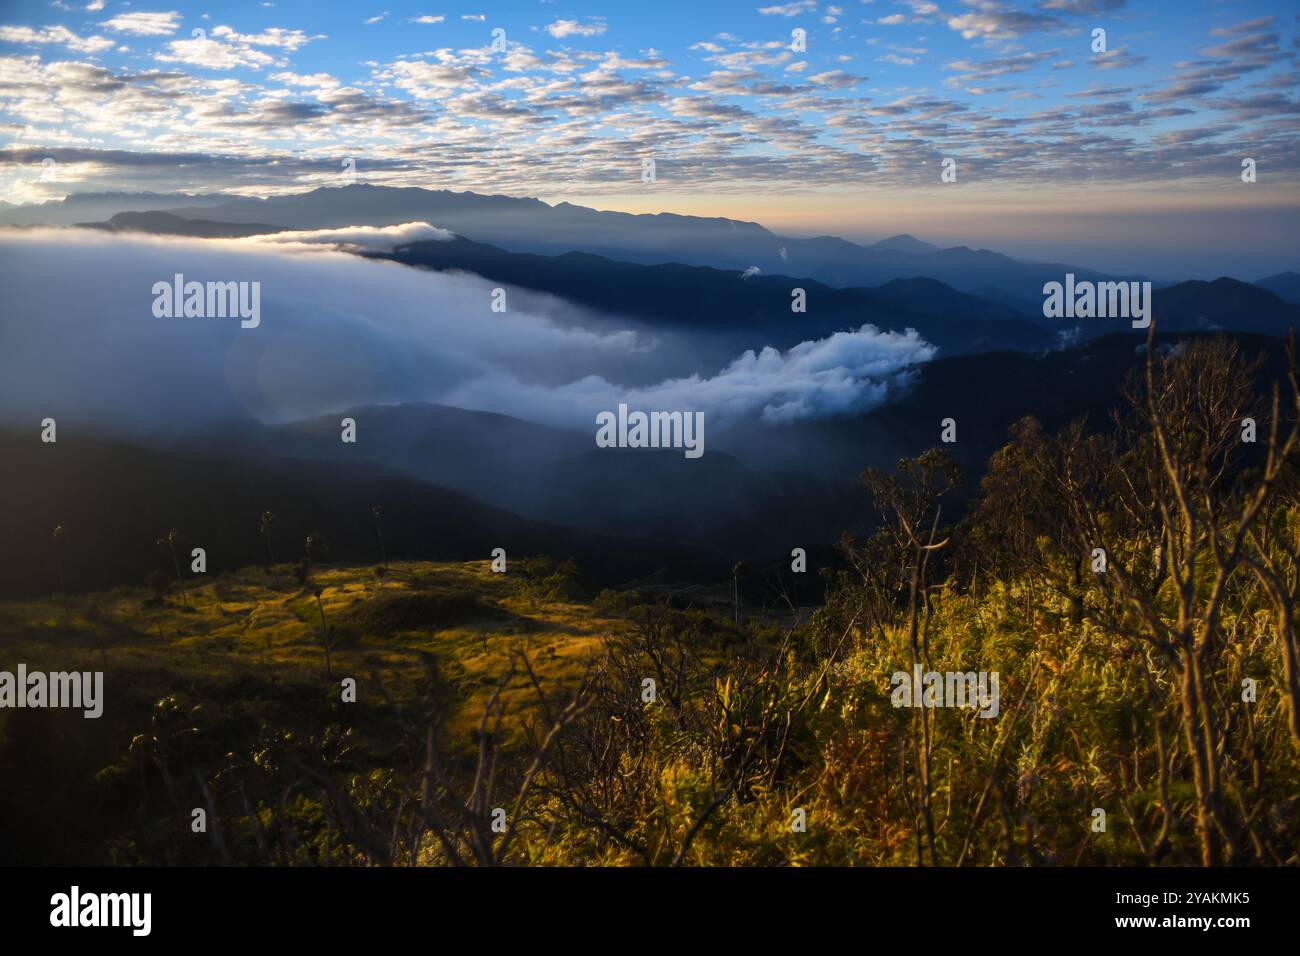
[358, 238]
[80, 342]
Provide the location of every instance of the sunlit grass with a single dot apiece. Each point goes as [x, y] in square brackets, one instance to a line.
[258, 626]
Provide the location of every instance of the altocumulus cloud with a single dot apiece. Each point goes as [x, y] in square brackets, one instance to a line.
[79, 340]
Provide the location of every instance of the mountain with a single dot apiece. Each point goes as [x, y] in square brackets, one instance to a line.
[87, 207]
[932, 298]
[1284, 285]
[737, 313]
[759, 489]
[166, 224]
[985, 394]
[1195, 305]
[733, 313]
[1223, 304]
[757, 310]
[905, 243]
[715, 502]
[111, 525]
[530, 225]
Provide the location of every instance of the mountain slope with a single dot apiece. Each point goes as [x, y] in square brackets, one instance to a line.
[1284, 285]
[111, 524]
[905, 243]
[559, 476]
[750, 313]
[985, 393]
[1223, 304]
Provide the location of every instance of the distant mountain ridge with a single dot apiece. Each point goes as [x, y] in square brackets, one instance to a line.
[736, 313]
[754, 312]
[1223, 304]
[165, 223]
[906, 243]
[1284, 285]
[529, 225]
[82, 207]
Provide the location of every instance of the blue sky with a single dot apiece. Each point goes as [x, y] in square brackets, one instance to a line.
[845, 137]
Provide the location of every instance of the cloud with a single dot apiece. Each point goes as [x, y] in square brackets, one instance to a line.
[1002, 66]
[336, 330]
[214, 54]
[59, 36]
[789, 9]
[356, 238]
[569, 118]
[564, 28]
[1253, 45]
[144, 24]
[1118, 58]
[1246, 26]
[339, 330]
[290, 40]
[846, 373]
[996, 21]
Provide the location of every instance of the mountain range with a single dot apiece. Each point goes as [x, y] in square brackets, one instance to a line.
[458, 482]
[530, 225]
[730, 309]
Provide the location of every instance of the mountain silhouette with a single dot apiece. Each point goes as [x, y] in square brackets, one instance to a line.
[165, 223]
[530, 225]
[1284, 285]
[905, 243]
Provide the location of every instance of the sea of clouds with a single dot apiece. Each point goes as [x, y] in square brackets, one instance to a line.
[79, 339]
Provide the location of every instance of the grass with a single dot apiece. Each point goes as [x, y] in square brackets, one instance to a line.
[251, 641]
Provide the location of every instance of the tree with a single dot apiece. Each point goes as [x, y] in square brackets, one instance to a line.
[1175, 510]
[58, 557]
[910, 504]
[169, 543]
[378, 514]
[324, 631]
[267, 520]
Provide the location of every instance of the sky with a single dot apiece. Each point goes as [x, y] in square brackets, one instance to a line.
[1131, 156]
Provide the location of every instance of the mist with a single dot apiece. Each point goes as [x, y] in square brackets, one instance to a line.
[79, 341]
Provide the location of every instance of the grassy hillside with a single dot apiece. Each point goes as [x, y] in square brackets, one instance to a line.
[1130, 597]
[227, 705]
[243, 652]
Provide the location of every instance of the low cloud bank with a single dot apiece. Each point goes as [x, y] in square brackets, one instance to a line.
[844, 373]
[357, 238]
[79, 339]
